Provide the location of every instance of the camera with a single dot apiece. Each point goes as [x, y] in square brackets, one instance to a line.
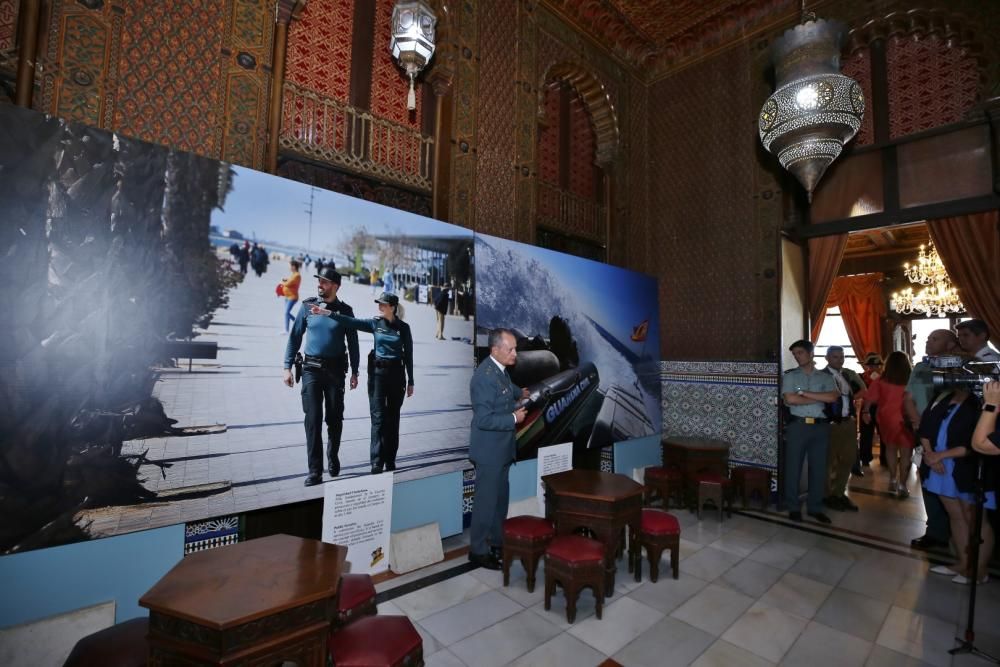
[953, 372]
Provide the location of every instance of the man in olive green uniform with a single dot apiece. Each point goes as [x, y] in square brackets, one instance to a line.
[807, 433]
[843, 452]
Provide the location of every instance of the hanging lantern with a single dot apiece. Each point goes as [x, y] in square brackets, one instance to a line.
[412, 41]
[815, 109]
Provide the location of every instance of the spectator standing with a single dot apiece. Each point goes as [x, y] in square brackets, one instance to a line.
[895, 431]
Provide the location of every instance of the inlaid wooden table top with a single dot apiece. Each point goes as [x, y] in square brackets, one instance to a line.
[592, 484]
[228, 586]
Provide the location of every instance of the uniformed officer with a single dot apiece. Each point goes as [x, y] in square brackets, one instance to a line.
[330, 346]
[393, 354]
[807, 433]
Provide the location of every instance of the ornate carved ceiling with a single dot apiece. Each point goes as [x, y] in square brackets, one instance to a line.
[656, 36]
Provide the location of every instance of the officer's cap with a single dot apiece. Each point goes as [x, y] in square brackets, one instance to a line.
[329, 273]
[387, 298]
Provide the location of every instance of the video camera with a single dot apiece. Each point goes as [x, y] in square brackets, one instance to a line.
[953, 372]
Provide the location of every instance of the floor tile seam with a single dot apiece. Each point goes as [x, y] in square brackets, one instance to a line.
[851, 537]
[471, 634]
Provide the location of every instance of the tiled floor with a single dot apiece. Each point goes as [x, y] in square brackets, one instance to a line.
[753, 590]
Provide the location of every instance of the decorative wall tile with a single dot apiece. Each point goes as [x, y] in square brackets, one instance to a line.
[735, 401]
[319, 48]
[211, 533]
[930, 83]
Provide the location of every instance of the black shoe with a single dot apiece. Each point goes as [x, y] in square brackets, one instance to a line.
[486, 561]
[848, 504]
[334, 468]
[497, 552]
[390, 467]
[927, 542]
[822, 518]
[834, 503]
[856, 470]
[377, 470]
[795, 516]
[313, 480]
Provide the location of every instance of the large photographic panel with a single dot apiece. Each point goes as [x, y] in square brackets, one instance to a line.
[142, 380]
[588, 344]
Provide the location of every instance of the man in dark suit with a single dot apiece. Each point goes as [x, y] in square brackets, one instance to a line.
[492, 447]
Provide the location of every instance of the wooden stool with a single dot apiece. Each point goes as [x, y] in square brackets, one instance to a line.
[525, 537]
[659, 530]
[574, 562]
[355, 599]
[377, 641]
[713, 486]
[122, 645]
[663, 482]
[749, 480]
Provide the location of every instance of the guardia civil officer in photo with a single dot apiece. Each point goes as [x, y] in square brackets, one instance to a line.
[330, 349]
[390, 375]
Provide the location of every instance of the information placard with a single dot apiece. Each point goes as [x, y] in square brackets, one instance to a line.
[552, 459]
[357, 513]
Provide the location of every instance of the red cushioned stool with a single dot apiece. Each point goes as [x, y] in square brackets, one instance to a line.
[663, 482]
[659, 530]
[525, 537]
[753, 481]
[355, 599]
[122, 645]
[574, 562]
[377, 641]
[713, 486]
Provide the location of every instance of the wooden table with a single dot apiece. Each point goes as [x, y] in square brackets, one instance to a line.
[258, 602]
[695, 455]
[602, 502]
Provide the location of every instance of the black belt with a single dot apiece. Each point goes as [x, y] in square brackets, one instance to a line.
[807, 420]
[387, 363]
[325, 363]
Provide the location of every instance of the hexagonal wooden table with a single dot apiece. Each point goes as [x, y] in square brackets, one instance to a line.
[254, 603]
[602, 502]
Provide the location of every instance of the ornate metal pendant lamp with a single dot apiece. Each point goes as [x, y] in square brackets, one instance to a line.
[815, 109]
[412, 41]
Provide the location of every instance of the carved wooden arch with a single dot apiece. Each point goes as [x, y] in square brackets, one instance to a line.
[953, 29]
[595, 99]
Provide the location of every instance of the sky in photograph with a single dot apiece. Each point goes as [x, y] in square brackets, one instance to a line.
[270, 208]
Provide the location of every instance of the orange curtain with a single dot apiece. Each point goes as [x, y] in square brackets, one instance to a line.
[825, 254]
[863, 308]
[969, 246]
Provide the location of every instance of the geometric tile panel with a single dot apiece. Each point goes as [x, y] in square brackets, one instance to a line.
[168, 89]
[581, 150]
[735, 401]
[319, 48]
[8, 23]
[211, 533]
[717, 272]
[930, 83]
[858, 67]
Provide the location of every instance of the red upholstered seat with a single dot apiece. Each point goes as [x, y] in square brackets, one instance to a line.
[528, 527]
[658, 522]
[659, 472]
[122, 645]
[355, 590]
[376, 641]
[575, 549]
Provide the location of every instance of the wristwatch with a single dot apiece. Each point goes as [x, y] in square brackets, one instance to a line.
[989, 407]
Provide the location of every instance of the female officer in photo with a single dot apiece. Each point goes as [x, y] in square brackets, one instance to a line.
[392, 355]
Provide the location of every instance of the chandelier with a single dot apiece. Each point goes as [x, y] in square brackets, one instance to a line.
[412, 40]
[815, 109]
[938, 298]
[928, 270]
